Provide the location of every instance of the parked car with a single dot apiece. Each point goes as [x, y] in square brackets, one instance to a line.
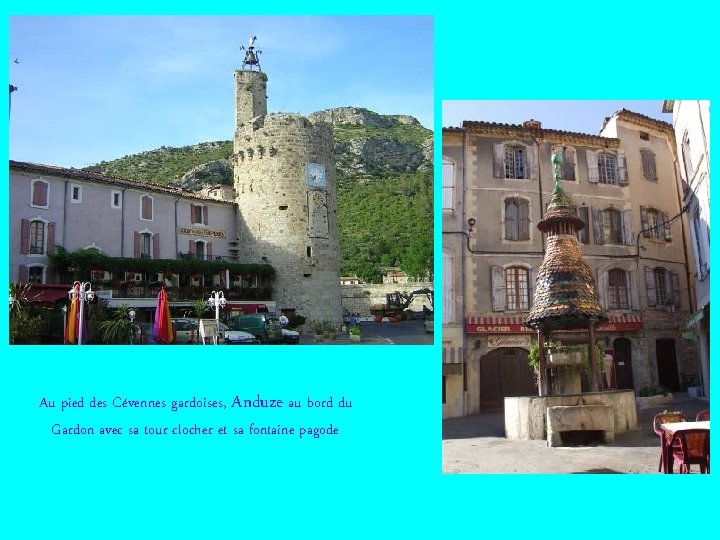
[263, 326]
[186, 331]
[290, 336]
[237, 337]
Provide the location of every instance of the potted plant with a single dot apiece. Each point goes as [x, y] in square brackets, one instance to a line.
[354, 332]
[318, 328]
[329, 329]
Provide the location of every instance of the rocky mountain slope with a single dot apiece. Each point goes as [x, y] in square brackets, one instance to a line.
[384, 165]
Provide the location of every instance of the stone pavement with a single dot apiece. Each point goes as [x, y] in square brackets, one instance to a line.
[477, 444]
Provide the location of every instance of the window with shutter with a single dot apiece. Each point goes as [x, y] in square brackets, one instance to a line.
[687, 160]
[617, 289]
[37, 237]
[516, 288]
[607, 168]
[662, 285]
[627, 226]
[517, 219]
[146, 245]
[515, 162]
[648, 164]
[448, 185]
[40, 190]
[146, 208]
[612, 226]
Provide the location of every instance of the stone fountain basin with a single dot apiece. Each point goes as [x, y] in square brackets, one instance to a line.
[526, 417]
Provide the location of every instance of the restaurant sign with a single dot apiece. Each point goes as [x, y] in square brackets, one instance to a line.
[514, 325]
[201, 232]
[504, 340]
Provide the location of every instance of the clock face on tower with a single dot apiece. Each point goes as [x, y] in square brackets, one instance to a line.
[316, 175]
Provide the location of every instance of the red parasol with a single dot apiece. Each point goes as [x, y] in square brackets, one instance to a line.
[163, 324]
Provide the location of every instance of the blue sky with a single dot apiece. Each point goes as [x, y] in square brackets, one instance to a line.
[98, 88]
[576, 115]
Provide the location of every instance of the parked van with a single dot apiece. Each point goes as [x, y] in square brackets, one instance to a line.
[264, 327]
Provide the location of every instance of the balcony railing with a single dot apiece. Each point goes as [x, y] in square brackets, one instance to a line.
[186, 293]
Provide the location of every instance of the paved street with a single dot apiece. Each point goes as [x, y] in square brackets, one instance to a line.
[386, 333]
[477, 444]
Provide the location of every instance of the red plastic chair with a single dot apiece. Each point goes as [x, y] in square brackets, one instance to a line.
[703, 416]
[694, 449]
[665, 418]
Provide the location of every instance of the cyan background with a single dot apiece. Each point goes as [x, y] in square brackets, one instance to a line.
[381, 476]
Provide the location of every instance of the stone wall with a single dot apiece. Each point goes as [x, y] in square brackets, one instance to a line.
[360, 298]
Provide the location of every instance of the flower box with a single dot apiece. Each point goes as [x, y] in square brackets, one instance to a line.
[573, 358]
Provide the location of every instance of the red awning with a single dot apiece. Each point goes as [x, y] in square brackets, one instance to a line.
[47, 294]
[514, 325]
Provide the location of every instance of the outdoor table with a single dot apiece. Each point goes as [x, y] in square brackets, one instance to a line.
[669, 431]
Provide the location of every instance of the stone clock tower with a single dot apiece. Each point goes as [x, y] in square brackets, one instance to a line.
[284, 167]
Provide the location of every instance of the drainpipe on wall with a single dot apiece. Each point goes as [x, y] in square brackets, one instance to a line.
[540, 192]
[462, 278]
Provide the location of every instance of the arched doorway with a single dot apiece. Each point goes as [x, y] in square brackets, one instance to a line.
[505, 372]
[667, 364]
[622, 362]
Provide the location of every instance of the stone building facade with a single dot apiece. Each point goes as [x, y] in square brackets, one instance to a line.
[691, 122]
[497, 179]
[287, 199]
[282, 210]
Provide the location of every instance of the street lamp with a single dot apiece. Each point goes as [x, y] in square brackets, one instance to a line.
[131, 314]
[217, 300]
[85, 293]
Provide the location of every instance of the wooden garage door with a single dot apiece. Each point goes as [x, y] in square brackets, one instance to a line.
[504, 373]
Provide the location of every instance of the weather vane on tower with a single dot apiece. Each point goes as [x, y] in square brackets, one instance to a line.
[251, 55]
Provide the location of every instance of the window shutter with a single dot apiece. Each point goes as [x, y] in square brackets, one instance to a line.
[696, 244]
[650, 286]
[666, 226]
[675, 284]
[40, 193]
[192, 213]
[531, 285]
[633, 299]
[602, 288]
[146, 207]
[136, 245]
[511, 219]
[191, 248]
[206, 214]
[208, 251]
[584, 233]
[628, 235]
[24, 273]
[532, 159]
[156, 246]
[622, 169]
[499, 160]
[598, 225]
[50, 238]
[524, 220]
[592, 166]
[24, 237]
[498, 288]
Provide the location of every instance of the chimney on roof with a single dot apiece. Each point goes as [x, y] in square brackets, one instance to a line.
[532, 124]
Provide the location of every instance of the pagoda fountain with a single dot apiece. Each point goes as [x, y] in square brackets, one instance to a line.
[566, 299]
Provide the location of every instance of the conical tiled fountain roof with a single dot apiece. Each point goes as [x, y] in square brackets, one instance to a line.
[565, 291]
